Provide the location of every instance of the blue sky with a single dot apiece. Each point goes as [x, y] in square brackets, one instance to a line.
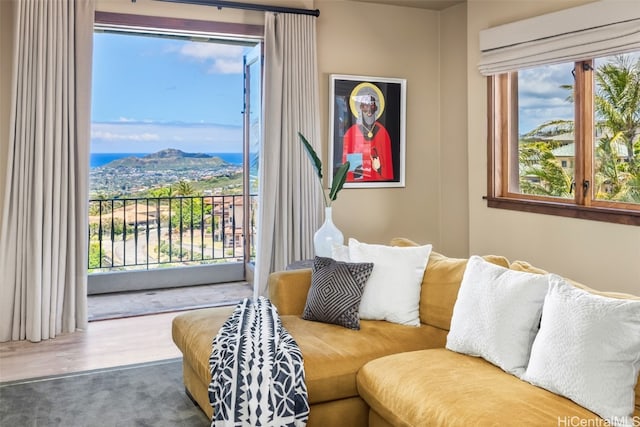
[151, 93]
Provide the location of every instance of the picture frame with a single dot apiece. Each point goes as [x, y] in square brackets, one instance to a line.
[367, 128]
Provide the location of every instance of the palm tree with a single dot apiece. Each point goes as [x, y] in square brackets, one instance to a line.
[185, 188]
[188, 211]
[162, 192]
[617, 103]
[608, 182]
[617, 106]
[541, 173]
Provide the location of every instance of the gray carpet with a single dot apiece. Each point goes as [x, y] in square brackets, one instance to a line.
[136, 395]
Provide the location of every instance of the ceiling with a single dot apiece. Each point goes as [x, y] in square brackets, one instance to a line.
[420, 4]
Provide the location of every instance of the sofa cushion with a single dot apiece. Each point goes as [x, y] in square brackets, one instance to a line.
[525, 266]
[333, 354]
[288, 290]
[440, 284]
[588, 349]
[393, 290]
[336, 291]
[439, 387]
[497, 313]
[193, 334]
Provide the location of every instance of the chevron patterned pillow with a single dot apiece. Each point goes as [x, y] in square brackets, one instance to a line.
[336, 291]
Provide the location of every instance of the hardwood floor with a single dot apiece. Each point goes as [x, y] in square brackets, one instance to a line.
[104, 344]
[117, 341]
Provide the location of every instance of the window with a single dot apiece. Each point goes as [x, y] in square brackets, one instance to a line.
[564, 139]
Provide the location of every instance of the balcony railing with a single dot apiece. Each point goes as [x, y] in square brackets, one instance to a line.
[143, 233]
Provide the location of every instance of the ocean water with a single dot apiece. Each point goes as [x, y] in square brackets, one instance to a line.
[101, 159]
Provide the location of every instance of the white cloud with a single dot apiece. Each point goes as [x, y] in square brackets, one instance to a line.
[118, 136]
[541, 97]
[225, 59]
[149, 137]
[542, 102]
[202, 50]
[546, 81]
[226, 66]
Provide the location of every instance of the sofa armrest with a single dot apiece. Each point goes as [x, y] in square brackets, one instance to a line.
[288, 290]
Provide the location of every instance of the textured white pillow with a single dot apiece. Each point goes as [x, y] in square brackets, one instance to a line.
[392, 292]
[588, 350]
[497, 314]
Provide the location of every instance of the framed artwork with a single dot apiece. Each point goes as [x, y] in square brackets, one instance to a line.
[367, 129]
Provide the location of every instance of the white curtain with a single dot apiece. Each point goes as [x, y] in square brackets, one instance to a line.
[290, 202]
[602, 28]
[43, 237]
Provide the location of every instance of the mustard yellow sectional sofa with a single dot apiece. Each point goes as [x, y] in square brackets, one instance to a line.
[389, 374]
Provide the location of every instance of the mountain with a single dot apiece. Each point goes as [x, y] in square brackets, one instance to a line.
[170, 153]
[169, 158]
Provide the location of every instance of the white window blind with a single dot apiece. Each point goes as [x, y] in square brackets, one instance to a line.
[602, 28]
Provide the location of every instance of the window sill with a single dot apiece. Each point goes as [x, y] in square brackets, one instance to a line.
[616, 216]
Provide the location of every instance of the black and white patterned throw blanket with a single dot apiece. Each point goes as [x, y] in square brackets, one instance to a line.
[257, 372]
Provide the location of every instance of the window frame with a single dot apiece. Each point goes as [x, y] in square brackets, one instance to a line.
[164, 25]
[502, 139]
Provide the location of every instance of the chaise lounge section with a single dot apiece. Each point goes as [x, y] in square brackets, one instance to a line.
[389, 374]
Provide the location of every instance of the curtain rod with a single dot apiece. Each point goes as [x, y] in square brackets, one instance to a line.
[247, 6]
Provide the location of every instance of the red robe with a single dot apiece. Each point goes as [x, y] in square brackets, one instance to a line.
[360, 150]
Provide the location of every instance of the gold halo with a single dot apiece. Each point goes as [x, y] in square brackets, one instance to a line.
[354, 93]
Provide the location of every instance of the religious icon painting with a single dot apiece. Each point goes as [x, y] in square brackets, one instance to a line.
[367, 129]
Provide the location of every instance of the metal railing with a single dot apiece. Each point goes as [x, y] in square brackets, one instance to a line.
[142, 233]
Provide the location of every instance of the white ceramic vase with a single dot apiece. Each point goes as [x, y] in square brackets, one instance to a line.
[327, 236]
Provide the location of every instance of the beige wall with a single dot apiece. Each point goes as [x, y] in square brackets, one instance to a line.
[453, 222]
[387, 41]
[602, 255]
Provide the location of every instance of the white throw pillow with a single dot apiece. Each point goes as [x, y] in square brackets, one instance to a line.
[340, 253]
[497, 314]
[588, 350]
[392, 292]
